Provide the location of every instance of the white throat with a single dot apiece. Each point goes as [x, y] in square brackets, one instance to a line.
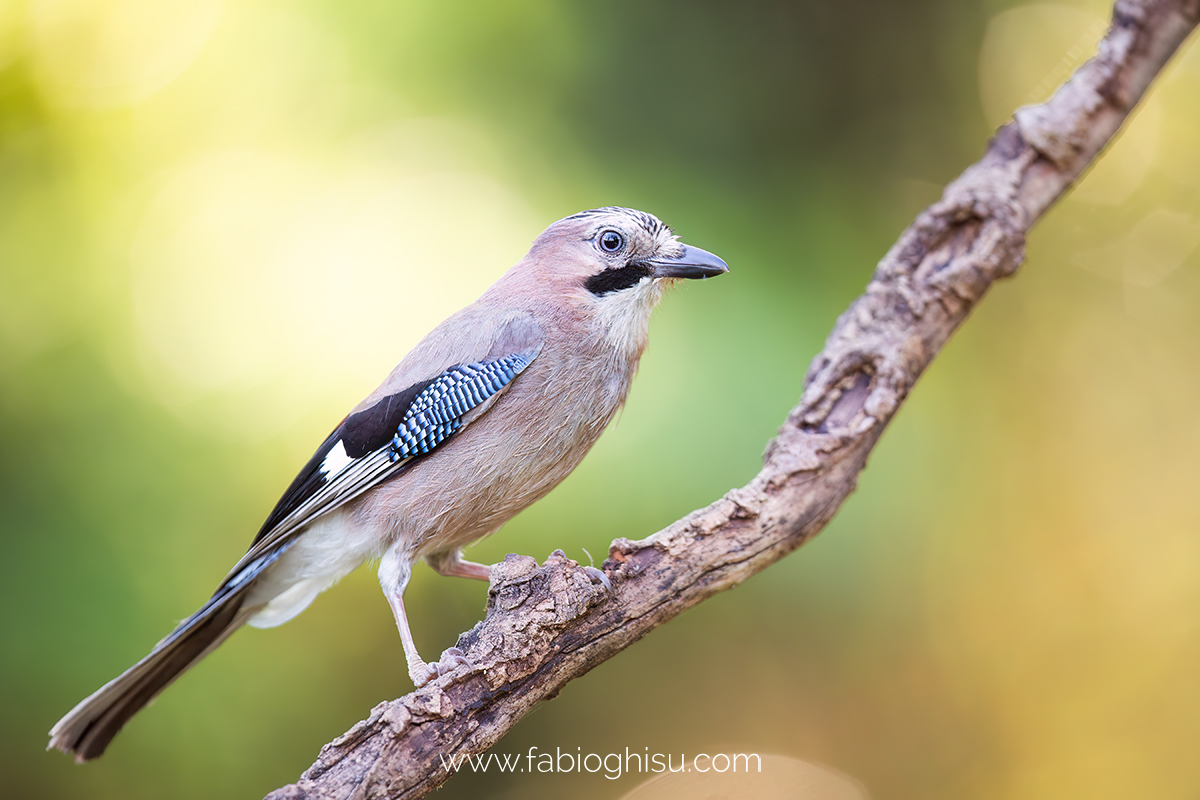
[624, 316]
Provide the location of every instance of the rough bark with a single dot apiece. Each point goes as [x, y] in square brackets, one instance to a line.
[548, 624]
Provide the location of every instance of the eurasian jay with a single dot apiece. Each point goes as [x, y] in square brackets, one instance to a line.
[486, 415]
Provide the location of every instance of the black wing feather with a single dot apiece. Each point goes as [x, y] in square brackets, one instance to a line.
[372, 428]
[381, 440]
[360, 433]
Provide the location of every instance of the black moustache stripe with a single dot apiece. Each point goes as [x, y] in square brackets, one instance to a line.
[614, 280]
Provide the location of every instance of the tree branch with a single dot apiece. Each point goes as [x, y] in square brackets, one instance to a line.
[548, 624]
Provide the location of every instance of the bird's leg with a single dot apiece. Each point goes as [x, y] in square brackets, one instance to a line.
[394, 571]
[453, 565]
[420, 672]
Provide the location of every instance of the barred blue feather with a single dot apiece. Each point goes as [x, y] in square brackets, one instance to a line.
[437, 412]
[374, 445]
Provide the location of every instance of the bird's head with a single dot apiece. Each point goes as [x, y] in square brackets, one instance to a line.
[608, 267]
[623, 253]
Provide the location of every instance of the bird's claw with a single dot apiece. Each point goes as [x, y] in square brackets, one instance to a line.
[452, 658]
[421, 673]
[600, 576]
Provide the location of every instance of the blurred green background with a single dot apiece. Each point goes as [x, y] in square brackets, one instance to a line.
[222, 223]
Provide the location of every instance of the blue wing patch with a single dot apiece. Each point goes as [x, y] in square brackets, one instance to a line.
[374, 445]
[437, 412]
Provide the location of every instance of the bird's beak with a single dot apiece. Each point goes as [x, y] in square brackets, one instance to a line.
[692, 263]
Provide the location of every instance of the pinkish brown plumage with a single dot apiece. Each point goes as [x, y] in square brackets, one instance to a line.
[487, 414]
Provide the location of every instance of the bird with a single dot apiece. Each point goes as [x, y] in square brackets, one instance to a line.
[488, 413]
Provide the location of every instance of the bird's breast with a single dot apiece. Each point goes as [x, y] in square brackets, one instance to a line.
[525, 445]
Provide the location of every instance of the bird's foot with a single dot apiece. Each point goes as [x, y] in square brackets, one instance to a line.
[452, 658]
[600, 576]
[422, 673]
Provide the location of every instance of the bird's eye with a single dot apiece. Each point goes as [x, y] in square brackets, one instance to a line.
[611, 241]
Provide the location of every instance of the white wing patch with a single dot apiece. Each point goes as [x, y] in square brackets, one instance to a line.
[431, 417]
[336, 460]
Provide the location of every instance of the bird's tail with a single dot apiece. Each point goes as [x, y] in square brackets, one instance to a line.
[92, 724]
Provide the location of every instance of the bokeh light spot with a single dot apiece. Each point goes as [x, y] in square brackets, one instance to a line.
[252, 269]
[116, 52]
